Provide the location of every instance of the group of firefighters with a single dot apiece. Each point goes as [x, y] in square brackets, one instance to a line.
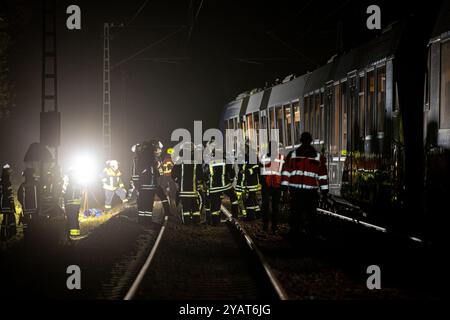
[299, 176]
[193, 185]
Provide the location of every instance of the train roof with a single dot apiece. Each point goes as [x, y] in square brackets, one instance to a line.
[288, 91]
[379, 49]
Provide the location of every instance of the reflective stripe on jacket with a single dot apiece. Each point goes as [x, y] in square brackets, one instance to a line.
[271, 170]
[112, 179]
[301, 171]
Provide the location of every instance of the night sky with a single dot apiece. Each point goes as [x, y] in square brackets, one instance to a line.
[231, 47]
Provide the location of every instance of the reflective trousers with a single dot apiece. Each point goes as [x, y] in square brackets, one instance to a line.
[251, 207]
[214, 202]
[72, 211]
[190, 209]
[8, 227]
[146, 199]
[109, 194]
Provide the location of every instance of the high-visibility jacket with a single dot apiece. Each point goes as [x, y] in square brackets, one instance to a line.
[112, 179]
[271, 170]
[6, 198]
[189, 177]
[73, 193]
[248, 177]
[305, 169]
[167, 166]
[219, 176]
[28, 196]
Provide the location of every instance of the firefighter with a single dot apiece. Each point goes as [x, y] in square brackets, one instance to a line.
[219, 177]
[247, 184]
[73, 194]
[270, 172]
[189, 176]
[29, 198]
[303, 175]
[134, 182]
[7, 206]
[112, 183]
[51, 192]
[167, 182]
[149, 171]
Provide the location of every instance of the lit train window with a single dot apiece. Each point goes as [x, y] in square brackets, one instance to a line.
[381, 100]
[256, 127]
[250, 127]
[288, 124]
[444, 122]
[279, 114]
[297, 122]
[361, 112]
[370, 102]
[272, 118]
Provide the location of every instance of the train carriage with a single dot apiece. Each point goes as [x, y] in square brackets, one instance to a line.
[356, 107]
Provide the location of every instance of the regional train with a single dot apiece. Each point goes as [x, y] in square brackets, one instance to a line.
[381, 115]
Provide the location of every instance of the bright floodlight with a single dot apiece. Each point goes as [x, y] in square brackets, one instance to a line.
[84, 169]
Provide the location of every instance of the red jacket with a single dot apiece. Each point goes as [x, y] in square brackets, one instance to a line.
[271, 170]
[305, 169]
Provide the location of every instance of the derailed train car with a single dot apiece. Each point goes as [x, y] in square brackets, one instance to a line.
[364, 110]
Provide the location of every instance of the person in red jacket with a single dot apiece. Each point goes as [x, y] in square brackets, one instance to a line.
[304, 173]
[271, 169]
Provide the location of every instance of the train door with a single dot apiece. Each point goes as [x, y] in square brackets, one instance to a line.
[337, 144]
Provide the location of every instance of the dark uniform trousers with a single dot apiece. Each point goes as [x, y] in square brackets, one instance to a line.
[8, 227]
[270, 214]
[304, 203]
[214, 202]
[190, 204]
[146, 199]
[72, 211]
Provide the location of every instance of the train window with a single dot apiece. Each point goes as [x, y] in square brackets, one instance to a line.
[317, 117]
[322, 117]
[444, 122]
[297, 122]
[370, 102]
[361, 111]
[381, 100]
[250, 127]
[306, 107]
[335, 123]
[279, 116]
[288, 124]
[256, 127]
[272, 119]
[343, 115]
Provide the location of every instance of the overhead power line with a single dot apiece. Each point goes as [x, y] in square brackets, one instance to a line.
[153, 44]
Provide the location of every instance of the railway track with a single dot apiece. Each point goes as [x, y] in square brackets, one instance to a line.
[205, 262]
